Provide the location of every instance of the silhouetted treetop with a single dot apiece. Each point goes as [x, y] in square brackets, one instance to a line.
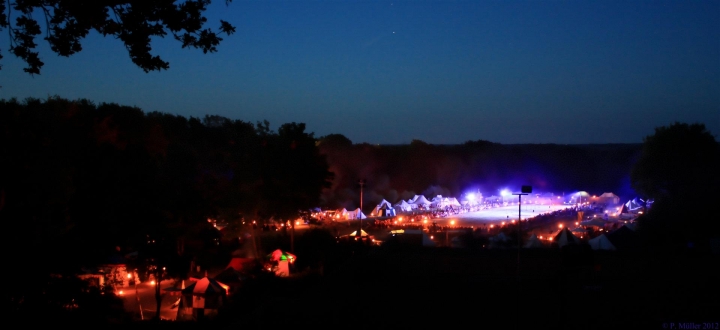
[134, 22]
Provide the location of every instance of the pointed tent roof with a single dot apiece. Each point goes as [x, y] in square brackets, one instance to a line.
[362, 233]
[453, 201]
[624, 238]
[608, 195]
[601, 243]
[359, 214]
[384, 205]
[533, 242]
[206, 287]
[403, 206]
[420, 200]
[280, 255]
[501, 237]
[565, 237]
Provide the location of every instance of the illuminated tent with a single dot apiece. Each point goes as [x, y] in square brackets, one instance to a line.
[453, 201]
[362, 233]
[357, 214]
[565, 237]
[403, 206]
[420, 201]
[283, 259]
[341, 214]
[579, 197]
[202, 299]
[609, 198]
[384, 209]
[601, 243]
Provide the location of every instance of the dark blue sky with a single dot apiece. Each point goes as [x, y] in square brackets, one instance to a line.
[443, 72]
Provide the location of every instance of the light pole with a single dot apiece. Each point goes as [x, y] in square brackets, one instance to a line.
[525, 190]
[361, 182]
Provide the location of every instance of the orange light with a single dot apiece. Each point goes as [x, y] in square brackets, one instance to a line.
[452, 222]
[129, 275]
[121, 292]
[560, 225]
[152, 282]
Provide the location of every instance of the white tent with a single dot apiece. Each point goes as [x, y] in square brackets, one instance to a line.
[377, 211]
[357, 214]
[533, 242]
[341, 214]
[403, 206]
[420, 200]
[609, 198]
[601, 243]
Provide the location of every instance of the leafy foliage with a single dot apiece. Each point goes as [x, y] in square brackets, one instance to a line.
[84, 178]
[133, 22]
[678, 168]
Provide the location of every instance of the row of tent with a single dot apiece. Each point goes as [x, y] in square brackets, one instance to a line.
[624, 237]
[385, 209]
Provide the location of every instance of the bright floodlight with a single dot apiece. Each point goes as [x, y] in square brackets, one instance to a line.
[505, 192]
[471, 196]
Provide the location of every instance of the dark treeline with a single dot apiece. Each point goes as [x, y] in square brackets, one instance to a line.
[395, 172]
[78, 179]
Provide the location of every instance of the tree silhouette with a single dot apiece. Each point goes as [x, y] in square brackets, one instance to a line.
[678, 168]
[132, 22]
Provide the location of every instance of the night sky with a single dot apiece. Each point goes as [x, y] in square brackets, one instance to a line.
[444, 72]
